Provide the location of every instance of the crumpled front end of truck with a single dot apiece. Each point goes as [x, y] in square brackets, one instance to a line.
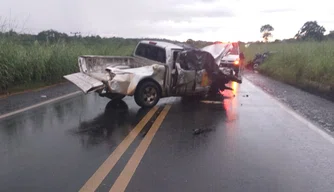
[119, 80]
[190, 62]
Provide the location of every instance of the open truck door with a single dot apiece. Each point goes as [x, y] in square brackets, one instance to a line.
[195, 67]
[185, 81]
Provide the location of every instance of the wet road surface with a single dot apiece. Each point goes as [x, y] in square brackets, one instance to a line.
[313, 107]
[249, 142]
[32, 97]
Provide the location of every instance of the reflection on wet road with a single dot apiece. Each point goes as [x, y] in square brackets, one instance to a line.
[114, 123]
[247, 142]
[60, 144]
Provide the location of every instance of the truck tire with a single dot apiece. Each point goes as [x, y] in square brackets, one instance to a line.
[147, 94]
[115, 96]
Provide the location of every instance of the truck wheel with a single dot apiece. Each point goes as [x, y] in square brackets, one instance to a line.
[147, 94]
[115, 96]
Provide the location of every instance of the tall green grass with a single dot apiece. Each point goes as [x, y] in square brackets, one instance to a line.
[26, 64]
[45, 64]
[304, 64]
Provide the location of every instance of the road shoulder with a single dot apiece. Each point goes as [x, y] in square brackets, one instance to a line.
[314, 108]
[26, 99]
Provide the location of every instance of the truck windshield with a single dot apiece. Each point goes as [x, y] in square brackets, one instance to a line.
[151, 52]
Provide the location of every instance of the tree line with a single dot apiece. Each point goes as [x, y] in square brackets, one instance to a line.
[52, 36]
[311, 30]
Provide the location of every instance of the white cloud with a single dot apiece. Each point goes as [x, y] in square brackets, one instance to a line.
[177, 19]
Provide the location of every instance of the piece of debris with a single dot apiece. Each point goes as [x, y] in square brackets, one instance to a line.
[211, 102]
[199, 131]
[43, 96]
[245, 95]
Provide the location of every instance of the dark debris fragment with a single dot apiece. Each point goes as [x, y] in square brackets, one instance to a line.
[199, 131]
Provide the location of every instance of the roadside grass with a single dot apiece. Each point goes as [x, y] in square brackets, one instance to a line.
[40, 64]
[308, 65]
[23, 66]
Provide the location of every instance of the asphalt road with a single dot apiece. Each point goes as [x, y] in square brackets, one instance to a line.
[249, 142]
[315, 108]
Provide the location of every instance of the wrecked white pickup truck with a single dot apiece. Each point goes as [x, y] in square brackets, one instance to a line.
[157, 69]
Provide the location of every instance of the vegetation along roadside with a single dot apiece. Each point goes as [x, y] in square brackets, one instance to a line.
[31, 61]
[305, 61]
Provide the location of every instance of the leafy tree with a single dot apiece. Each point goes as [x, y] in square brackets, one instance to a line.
[51, 36]
[266, 31]
[311, 30]
[190, 41]
[330, 35]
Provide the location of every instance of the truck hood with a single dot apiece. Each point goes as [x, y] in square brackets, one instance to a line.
[218, 50]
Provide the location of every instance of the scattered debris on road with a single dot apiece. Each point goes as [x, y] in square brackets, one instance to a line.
[211, 102]
[199, 131]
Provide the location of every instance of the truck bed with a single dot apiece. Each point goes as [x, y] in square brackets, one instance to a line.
[97, 64]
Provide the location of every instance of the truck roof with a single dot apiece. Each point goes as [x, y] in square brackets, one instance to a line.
[163, 44]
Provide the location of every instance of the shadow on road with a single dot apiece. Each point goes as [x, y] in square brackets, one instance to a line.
[109, 127]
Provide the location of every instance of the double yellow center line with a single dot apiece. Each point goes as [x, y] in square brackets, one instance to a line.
[124, 178]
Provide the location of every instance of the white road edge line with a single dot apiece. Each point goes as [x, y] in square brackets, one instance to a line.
[307, 122]
[39, 104]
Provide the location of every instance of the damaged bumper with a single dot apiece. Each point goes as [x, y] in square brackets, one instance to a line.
[85, 82]
[117, 80]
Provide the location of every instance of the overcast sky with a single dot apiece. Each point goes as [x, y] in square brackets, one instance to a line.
[213, 20]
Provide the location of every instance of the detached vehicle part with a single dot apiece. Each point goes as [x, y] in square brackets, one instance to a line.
[258, 59]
